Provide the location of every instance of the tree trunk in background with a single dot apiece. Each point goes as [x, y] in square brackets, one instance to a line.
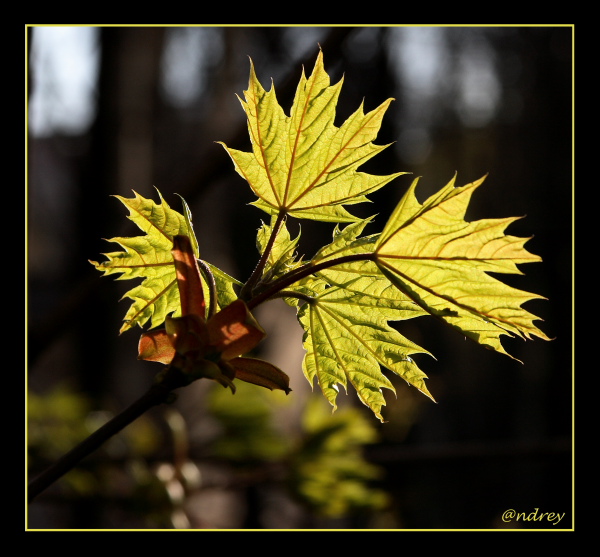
[119, 159]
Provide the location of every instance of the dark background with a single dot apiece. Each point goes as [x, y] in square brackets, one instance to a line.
[471, 100]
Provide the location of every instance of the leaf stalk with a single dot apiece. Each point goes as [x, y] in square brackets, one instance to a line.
[306, 270]
[212, 287]
[246, 290]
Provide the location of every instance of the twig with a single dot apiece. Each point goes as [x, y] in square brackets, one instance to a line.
[157, 394]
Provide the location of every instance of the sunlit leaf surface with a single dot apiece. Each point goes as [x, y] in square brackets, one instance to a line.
[439, 260]
[303, 164]
[149, 257]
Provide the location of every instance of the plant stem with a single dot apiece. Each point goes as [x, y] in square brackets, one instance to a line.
[173, 378]
[256, 274]
[212, 287]
[157, 394]
[305, 271]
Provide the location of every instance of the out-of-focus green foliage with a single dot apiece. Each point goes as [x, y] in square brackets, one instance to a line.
[61, 418]
[323, 465]
[328, 471]
[248, 435]
[56, 422]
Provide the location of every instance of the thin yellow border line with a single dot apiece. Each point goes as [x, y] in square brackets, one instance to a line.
[572, 26]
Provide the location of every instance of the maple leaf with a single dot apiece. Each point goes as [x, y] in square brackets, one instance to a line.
[427, 261]
[302, 164]
[149, 257]
[347, 339]
[439, 260]
[345, 317]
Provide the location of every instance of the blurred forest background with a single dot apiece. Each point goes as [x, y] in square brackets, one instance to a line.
[116, 109]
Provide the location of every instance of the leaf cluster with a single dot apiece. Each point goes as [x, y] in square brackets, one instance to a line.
[428, 260]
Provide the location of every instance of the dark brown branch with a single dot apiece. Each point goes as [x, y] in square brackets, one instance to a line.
[157, 394]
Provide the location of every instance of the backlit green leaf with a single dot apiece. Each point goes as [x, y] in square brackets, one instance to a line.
[439, 260]
[347, 242]
[303, 164]
[149, 257]
[347, 339]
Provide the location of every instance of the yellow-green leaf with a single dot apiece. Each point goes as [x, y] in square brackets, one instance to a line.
[149, 257]
[303, 164]
[347, 242]
[439, 260]
[282, 257]
[348, 338]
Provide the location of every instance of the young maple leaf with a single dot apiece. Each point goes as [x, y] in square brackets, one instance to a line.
[212, 347]
[302, 164]
[439, 260]
[149, 257]
[348, 338]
